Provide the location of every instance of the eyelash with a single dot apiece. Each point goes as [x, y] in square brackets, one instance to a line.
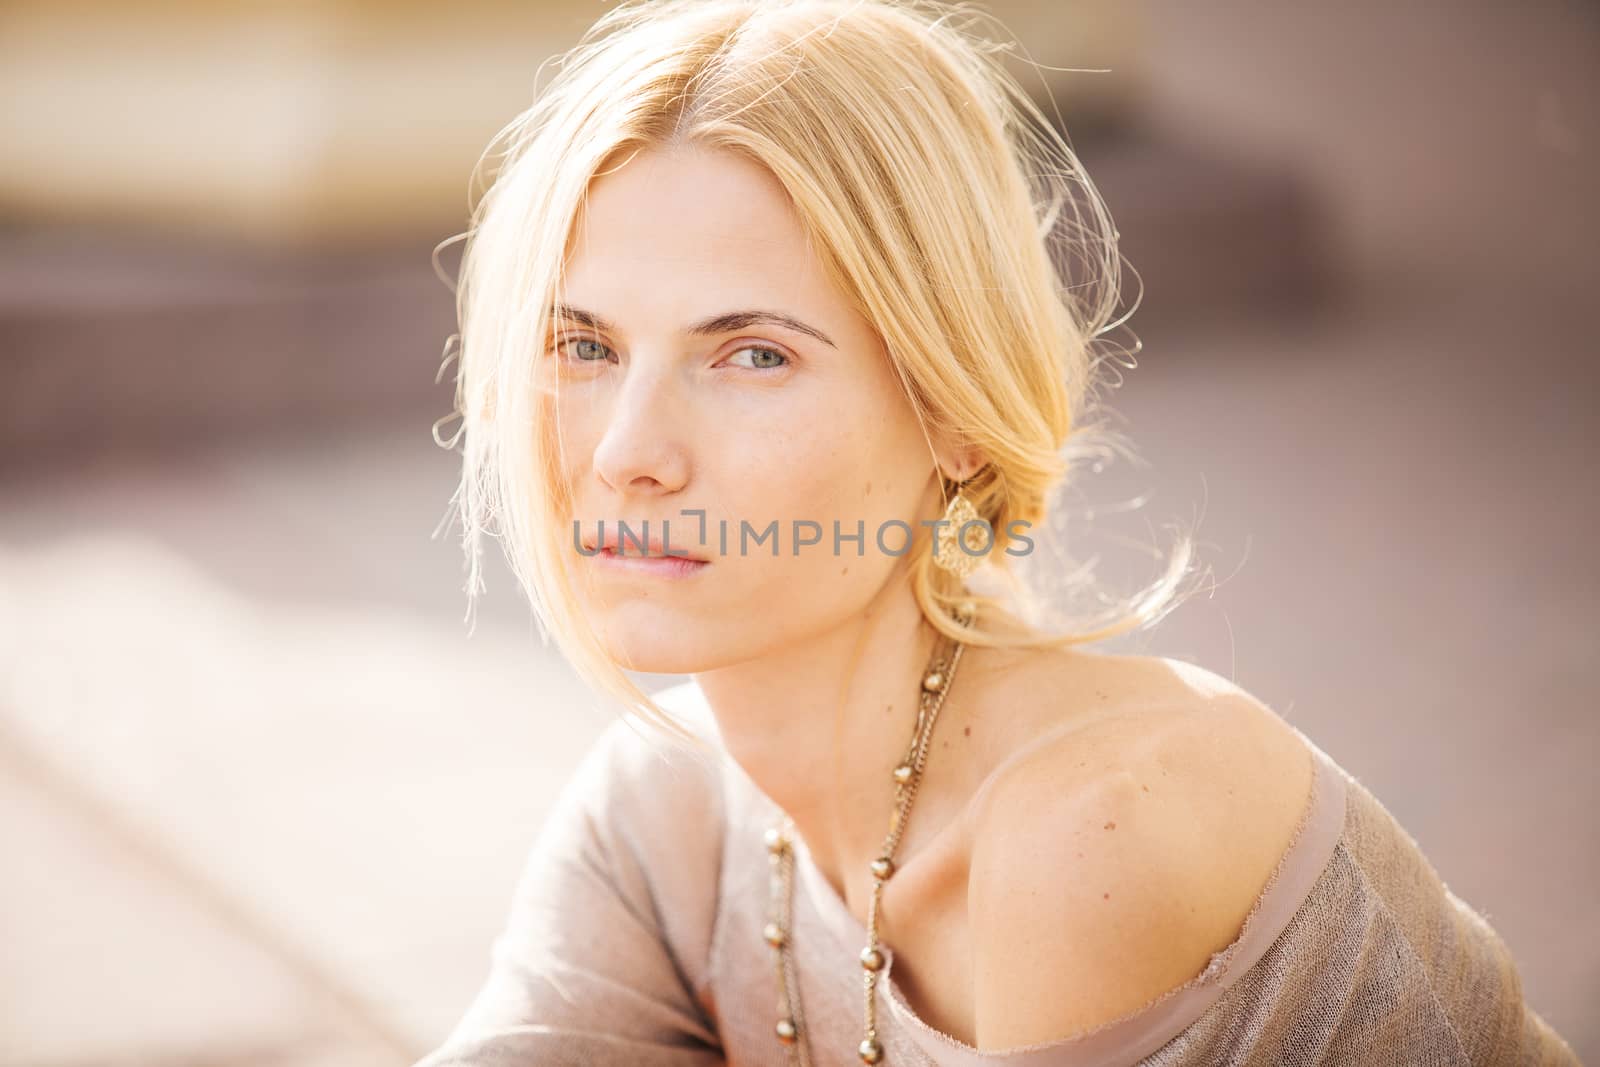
[557, 347]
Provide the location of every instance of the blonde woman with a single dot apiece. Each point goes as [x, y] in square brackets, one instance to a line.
[778, 334]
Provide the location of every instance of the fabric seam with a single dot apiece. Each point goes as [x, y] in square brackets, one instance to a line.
[1433, 994]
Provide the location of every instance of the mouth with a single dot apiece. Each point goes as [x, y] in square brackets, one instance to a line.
[610, 549]
[636, 556]
[634, 565]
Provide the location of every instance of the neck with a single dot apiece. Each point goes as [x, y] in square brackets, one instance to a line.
[820, 725]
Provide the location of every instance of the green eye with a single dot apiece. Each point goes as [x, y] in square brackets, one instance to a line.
[762, 358]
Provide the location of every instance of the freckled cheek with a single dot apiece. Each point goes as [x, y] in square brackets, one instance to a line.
[780, 476]
[850, 476]
[577, 427]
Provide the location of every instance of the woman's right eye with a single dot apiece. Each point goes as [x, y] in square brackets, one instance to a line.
[595, 352]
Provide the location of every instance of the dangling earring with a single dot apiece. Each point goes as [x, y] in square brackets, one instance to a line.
[948, 554]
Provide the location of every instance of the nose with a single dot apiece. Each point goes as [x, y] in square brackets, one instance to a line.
[641, 450]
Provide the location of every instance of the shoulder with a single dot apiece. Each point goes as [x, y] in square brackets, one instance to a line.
[638, 779]
[1111, 860]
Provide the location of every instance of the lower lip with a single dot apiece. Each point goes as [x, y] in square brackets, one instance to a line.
[655, 566]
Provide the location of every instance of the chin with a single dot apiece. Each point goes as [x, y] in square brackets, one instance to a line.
[653, 638]
[663, 659]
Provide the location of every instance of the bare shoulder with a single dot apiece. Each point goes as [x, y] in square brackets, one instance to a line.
[1111, 858]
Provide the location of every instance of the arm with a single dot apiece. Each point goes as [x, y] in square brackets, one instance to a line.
[1463, 966]
[601, 960]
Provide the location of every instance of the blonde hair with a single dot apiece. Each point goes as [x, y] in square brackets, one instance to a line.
[939, 200]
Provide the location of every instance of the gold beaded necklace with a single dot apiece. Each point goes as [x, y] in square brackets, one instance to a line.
[790, 1029]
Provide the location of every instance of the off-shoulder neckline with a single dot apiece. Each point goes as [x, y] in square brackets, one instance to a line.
[1133, 1036]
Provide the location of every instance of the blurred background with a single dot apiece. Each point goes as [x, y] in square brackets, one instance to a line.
[263, 797]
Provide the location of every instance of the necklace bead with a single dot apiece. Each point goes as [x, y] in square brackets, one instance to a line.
[935, 682]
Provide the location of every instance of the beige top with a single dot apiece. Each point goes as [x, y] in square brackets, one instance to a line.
[634, 938]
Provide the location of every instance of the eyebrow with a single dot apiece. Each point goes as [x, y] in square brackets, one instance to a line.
[724, 323]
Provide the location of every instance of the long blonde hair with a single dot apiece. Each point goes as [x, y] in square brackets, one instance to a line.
[939, 200]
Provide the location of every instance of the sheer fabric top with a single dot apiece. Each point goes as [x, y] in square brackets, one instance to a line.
[634, 938]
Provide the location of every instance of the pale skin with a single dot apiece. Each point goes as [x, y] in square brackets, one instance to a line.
[1090, 828]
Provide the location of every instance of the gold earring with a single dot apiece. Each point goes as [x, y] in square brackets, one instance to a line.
[948, 554]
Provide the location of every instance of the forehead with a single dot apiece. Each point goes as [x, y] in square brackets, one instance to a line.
[690, 215]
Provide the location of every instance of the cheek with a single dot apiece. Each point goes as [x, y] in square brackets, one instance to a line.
[576, 426]
[862, 482]
[817, 462]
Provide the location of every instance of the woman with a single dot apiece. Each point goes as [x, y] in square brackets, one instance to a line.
[769, 340]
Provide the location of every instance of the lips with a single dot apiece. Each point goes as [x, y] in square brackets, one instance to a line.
[616, 545]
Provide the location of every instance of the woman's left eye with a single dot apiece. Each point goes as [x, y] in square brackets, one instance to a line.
[762, 358]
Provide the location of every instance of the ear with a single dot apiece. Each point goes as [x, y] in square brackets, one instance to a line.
[958, 462]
